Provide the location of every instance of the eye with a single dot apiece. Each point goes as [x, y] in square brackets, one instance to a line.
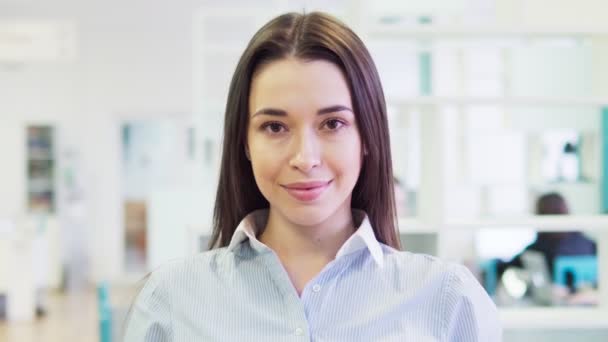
[273, 127]
[334, 124]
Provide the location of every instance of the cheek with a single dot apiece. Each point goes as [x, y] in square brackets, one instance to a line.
[265, 161]
[345, 158]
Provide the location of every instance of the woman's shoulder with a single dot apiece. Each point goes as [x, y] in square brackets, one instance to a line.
[170, 287]
[466, 309]
[419, 263]
[423, 269]
[201, 263]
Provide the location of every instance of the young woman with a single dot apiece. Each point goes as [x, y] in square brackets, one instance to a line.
[304, 244]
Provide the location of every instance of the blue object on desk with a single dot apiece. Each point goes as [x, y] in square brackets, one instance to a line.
[583, 268]
[490, 275]
[105, 313]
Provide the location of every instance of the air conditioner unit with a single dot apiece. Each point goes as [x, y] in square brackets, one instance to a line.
[23, 41]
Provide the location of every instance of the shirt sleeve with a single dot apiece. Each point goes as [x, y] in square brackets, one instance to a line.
[149, 319]
[472, 315]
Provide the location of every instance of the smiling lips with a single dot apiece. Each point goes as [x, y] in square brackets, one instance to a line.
[306, 191]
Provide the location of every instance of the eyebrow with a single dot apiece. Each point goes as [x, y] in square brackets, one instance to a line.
[322, 111]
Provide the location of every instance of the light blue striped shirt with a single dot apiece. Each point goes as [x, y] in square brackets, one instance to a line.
[369, 292]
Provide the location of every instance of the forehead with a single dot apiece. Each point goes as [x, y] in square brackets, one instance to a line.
[296, 84]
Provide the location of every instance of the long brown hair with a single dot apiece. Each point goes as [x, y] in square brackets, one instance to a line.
[312, 36]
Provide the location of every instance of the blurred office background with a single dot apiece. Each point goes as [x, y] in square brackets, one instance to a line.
[110, 124]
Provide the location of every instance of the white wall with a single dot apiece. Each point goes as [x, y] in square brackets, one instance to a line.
[564, 13]
[133, 60]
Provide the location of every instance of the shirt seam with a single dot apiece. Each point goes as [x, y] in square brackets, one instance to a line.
[163, 286]
[446, 294]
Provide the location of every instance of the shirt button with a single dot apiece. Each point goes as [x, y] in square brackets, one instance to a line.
[299, 332]
[316, 288]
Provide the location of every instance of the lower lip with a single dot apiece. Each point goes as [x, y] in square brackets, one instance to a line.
[309, 194]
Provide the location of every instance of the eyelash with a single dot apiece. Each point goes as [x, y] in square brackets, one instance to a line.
[266, 125]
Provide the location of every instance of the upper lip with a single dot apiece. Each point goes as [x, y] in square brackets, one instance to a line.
[305, 185]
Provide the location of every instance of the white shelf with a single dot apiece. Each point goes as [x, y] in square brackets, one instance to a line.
[502, 101]
[481, 31]
[541, 223]
[554, 318]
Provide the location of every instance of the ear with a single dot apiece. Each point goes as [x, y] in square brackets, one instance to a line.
[247, 153]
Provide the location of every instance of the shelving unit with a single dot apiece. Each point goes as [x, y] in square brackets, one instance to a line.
[41, 193]
[437, 226]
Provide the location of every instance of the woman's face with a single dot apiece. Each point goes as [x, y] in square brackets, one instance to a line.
[303, 140]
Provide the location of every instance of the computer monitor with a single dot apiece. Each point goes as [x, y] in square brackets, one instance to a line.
[583, 269]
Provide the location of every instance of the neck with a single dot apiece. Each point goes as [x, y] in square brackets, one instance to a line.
[291, 241]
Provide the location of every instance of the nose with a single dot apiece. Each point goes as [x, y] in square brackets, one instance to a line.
[306, 152]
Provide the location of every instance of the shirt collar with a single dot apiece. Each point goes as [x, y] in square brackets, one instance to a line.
[248, 229]
[363, 237]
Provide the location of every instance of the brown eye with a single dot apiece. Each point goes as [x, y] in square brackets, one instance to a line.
[334, 124]
[273, 127]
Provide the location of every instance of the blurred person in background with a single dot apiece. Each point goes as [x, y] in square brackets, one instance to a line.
[554, 244]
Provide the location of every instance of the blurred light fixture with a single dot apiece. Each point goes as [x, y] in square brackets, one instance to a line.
[23, 41]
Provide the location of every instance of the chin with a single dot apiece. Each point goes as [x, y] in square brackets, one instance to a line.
[308, 216]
